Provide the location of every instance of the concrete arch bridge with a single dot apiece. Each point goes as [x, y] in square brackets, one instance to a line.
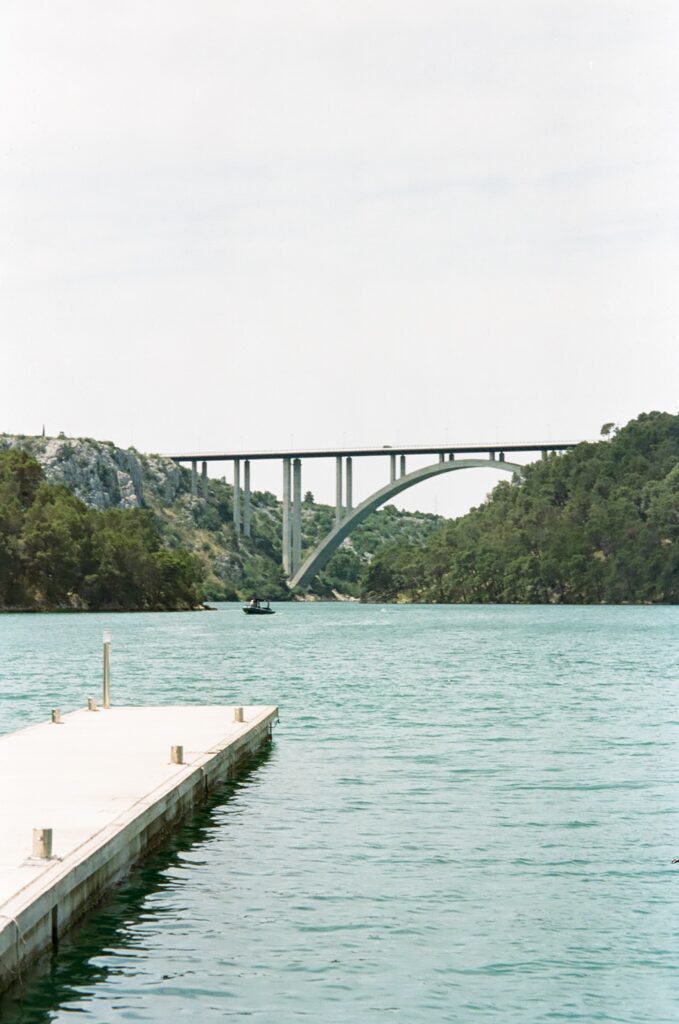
[300, 572]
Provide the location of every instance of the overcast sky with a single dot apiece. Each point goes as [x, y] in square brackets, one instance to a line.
[245, 224]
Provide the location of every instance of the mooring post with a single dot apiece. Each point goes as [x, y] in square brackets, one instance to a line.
[177, 754]
[238, 715]
[91, 704]
[287, 559]
[107, 669]
[56, 716]
[42, 843]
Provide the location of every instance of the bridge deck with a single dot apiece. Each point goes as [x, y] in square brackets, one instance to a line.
[325, 453]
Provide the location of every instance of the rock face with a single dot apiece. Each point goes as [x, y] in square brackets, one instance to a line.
[100, 474]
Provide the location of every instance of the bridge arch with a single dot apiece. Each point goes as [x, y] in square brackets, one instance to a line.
[315, 561]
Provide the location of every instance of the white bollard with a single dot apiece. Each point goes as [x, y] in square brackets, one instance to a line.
[238, 715]
[42, 843]
[56, 716]
[177, 755]
[91, 704]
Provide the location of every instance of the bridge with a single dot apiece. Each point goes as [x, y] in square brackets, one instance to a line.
[446, 459]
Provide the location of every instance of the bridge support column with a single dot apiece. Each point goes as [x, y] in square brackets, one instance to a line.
[501, 457]
[338, 488]
[442, 457]
[247, 509]
[392, 468]
[236, 495]
[296, 514]
[451, 457]
[403, 466]
[194, 478]
[545, 453]
[203, 479]
[350, 484]
[287, 553]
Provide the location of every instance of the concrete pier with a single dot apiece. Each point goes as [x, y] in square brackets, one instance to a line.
[286, 545]
[83, 800]
[247, 504]
[338, 489]
[296, 514]
[203, 479]
[349, 485]
[236, 495]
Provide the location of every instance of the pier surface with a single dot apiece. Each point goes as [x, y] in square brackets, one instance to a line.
[104, 782]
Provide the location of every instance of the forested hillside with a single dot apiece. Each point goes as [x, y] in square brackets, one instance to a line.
[597, 524]
[55, 552]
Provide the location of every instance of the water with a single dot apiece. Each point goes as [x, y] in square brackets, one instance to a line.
[468, 814]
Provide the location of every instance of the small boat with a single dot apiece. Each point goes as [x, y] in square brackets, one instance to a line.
[255, 607]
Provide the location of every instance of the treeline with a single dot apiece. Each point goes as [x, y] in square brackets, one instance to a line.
[597, 524]
[55, 552]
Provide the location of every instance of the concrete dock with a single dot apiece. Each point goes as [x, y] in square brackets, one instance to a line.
[108, 784]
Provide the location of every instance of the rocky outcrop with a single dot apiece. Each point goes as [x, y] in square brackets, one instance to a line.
[102, 475]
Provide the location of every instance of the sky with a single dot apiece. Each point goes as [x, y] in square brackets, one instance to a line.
[230, 225]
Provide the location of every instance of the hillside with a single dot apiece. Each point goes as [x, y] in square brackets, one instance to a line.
[105, 477]
[56, 553]
[599, 523]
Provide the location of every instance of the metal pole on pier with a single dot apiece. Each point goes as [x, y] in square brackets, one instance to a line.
[107, 669]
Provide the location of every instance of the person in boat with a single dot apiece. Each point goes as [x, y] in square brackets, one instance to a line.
[254, 602]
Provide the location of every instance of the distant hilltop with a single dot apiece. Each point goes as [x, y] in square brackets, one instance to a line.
[104, 476]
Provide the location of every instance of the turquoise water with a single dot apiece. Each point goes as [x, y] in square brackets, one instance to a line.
[468, 814]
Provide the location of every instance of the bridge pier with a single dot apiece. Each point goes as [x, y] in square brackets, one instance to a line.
[203, 479]
[236, 495]
[442, 457]
[392, 468]
[247, 507]
[403, 466]
[296, 514]
[338, 488]
[194, 478]
[350, 484]
[287, 553]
